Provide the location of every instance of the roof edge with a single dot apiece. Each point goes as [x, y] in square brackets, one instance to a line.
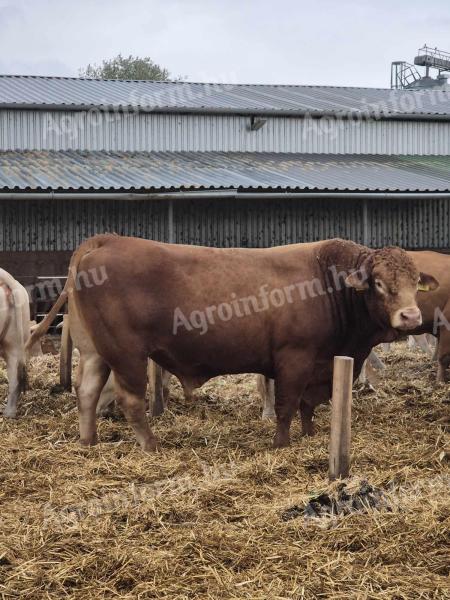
[314, 114]
[223, 194]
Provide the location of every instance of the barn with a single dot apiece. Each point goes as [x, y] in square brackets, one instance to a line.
[217, 164]
[218, 514]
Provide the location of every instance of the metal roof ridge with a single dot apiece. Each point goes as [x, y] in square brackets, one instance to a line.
[212, 83]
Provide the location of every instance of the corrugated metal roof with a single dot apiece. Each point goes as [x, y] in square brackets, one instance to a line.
[36, 91]
[162, 171]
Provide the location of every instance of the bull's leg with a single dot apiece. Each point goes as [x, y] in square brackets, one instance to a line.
[92, 375]
[314, 395]
[130, 389]
[307, 414]
[291, 379]
[17, 382]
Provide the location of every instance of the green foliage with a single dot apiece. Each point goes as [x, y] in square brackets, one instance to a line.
[122, 67]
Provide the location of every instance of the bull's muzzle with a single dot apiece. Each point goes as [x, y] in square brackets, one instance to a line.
[407, 318]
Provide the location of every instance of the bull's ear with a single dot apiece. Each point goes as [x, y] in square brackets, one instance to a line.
[357, 280]
[427, 283]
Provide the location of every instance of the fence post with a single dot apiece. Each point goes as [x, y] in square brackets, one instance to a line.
[65, 356]
[340, 436]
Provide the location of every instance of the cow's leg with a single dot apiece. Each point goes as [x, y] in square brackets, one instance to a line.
[375, 361]
[435, 357]
[265, 387]
[92, 375]
[443, 349]
[443, 363]
[269, 400]
[291, 379]
[130, 389]
[362, 379]
[422, 342]
[107, 398]
[17, 381]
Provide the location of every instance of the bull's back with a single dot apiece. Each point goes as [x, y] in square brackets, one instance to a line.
[204, 306]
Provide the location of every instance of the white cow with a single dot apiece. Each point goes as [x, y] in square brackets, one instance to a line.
[14, 333]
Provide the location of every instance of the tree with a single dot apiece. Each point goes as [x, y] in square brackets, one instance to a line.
[122, 67]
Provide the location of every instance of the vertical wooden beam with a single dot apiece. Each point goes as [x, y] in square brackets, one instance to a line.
[155, 387]
[365, 223]
[65, 356]
[340, 437]
[170, 222]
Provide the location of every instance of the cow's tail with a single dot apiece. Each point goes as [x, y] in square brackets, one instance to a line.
[71, 282]
[42, 328]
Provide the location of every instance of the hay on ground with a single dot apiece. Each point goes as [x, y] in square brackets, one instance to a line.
[203, 518]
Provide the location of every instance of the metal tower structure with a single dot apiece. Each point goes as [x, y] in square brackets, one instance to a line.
[405, 75]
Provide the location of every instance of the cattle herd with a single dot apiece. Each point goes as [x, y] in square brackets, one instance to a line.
[199, 312]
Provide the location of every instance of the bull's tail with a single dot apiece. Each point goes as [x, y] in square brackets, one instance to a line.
[71, 282]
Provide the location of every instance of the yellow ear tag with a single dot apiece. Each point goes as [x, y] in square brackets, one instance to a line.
[421, 287]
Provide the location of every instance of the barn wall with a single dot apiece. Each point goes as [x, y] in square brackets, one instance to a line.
[36, 237]
[33, 226]
[71, 130]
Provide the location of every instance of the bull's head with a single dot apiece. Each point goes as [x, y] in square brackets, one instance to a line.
[391, 281]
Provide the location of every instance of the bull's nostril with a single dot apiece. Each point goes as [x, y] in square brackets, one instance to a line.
[410, 315]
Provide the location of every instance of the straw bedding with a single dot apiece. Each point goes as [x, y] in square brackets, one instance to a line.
[203, 518]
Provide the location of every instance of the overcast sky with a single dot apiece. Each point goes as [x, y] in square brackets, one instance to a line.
[328, 42]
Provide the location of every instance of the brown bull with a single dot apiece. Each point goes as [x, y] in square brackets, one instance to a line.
[201, 312]
[435, 304]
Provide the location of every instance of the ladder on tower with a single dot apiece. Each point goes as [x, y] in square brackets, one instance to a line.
[403, 74]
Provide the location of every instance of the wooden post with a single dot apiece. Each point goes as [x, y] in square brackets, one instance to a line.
[156, 392]
[341, 417]
[65, 356]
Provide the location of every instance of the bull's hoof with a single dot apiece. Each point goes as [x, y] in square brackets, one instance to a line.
[88, 442]
[151, 445]
[308, 431]
[281, 441]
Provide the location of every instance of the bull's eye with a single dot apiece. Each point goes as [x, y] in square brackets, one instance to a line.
[379, 286]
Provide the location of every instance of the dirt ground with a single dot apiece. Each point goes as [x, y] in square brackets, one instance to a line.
[206, 516]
